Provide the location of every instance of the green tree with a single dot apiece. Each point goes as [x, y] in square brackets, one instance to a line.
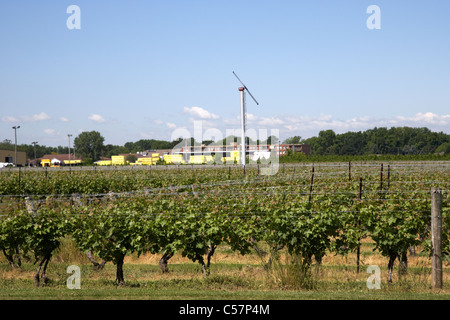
[112, 233]
[445, 148]
[131, 158]
[272, 140]
[89, 144]
[293, 140]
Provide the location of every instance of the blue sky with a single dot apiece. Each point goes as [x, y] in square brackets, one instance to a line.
[143, 69]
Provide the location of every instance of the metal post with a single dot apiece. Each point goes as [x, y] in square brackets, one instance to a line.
[69, 135]
[436, 238]
[15, 144]
[34, 149]
[243, 146]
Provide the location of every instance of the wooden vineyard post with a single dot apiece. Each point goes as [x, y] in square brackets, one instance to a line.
[381, 179]
[31, 208]
[349, 171]
[389, 177]
[19, 177]
[358, 249]
[436, 238]
[311, 185]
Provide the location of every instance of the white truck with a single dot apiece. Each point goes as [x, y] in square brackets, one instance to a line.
[6, 164]
[260, 155]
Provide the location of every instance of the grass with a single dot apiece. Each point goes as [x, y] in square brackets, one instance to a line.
[232, 277]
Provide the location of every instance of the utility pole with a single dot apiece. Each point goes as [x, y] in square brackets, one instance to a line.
[70, 163]
[15, 144]
[34, 148]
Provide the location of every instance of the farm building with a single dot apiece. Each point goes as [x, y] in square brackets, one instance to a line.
[141, 158]
[232, 152]
[7, 156]
[55, 160]
[282, 149]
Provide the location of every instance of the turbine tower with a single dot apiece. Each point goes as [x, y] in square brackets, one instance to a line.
[243, 118]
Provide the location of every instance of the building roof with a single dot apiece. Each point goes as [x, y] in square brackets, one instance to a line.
[60, 157]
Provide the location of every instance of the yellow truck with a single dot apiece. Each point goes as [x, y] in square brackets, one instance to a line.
[197, 159]
[48, 163]
[235, 156]
[173, 159]
[104, 163]
[147, 161]
[118, 160]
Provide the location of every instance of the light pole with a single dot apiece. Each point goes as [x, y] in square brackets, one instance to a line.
[34, 148]
[70, 164]
[15, 144]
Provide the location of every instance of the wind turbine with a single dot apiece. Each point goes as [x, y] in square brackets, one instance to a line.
[243, 117]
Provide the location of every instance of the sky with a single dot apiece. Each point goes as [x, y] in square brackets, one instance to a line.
[144, 69]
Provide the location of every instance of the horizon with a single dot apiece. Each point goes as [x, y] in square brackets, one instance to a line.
[142, 70]
[236, 137]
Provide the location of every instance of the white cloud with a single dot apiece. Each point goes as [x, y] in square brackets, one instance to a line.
[251, 117]
[309, 126]
[200, 113]
[158, 122]
[63, 119]
[270, 121]
[97, 118]
[431, 118]
[288, 125]
[9, 119]
[39, 117]
[26, 118]
[50, 131]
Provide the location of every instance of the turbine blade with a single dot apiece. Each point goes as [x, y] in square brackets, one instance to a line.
[252, 96]
[239, 79]
[245, 87]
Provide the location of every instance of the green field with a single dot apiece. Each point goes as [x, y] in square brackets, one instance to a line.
[149, 212]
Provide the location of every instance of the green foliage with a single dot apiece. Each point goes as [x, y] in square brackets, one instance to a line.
[13, 234]
[444, 148]
[194, 212]
[131, 158]
[293, 140]
[111, 232]
[380, 141]
[44, 231]
[89, 144]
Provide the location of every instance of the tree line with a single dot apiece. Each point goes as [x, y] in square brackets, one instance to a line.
[90, 145]
[379, 141]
